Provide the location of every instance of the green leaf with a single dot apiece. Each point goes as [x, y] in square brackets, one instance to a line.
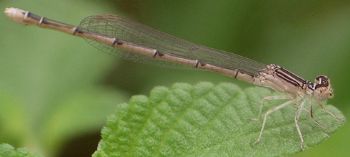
[7, 150]
[208, 120]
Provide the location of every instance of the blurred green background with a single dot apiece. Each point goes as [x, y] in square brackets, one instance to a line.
[56, 90]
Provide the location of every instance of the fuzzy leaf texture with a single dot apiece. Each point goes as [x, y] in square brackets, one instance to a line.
[7, 150]
[208, 120]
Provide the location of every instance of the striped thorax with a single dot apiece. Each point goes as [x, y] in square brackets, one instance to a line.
[280, 79]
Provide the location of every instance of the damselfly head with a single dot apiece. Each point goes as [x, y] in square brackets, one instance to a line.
[322, 88]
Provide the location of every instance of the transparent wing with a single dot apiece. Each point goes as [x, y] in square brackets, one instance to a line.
[121, 28]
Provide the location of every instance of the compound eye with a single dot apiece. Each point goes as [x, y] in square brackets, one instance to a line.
[322, 81]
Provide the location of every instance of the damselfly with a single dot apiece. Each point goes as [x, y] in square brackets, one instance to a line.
[128, 38]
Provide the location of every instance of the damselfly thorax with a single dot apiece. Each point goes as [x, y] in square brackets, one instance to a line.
[280, 79]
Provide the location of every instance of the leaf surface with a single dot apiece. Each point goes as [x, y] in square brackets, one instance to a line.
[7, 150]
[208, 120]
